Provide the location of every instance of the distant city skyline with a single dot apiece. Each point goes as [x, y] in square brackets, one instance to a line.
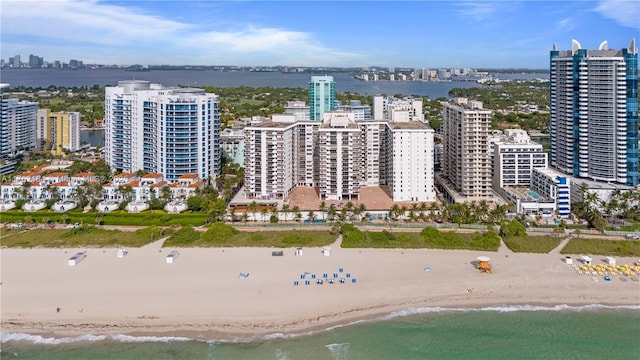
[499, 34]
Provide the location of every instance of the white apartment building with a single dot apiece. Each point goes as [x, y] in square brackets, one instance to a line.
[43, 130]
[409, 161]
[394, 109]
[514, 157]
[340, 156]
[298, 108]
[466, 165]
[554, 185]
[360, 112]
[373, 159]
[269, 160]
[17, 125]
[167, 131]
[232, 143]
[307, 153]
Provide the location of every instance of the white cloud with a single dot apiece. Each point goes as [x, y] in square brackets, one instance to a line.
[565, 24]
[626, 13]
[476, 10]
[132, 35]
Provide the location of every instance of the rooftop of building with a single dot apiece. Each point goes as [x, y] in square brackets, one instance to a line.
[271, 124]
[525, 193]
[83, 175]
[55, 174]
[408, 125]
[151, 176]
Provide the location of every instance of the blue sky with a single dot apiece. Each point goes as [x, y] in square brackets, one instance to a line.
[312, 33]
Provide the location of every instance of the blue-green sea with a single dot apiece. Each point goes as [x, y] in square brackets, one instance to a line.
[511, 332]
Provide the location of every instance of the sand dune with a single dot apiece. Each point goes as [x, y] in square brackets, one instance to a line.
[201, 293]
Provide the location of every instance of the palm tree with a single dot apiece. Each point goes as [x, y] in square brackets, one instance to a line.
[274, 212]
[423, 209]
[25, 191]
[394, 212]
[347, 211]
[263, 213]
[311, 216]
[577, 232]
[331, 214]
[482, 211]
[165, 193]
[432, 211]
[128, 192]
[360, 209]
[285, 210]
[55, 193]
[403, 211]
[253, 206]
[322, 207]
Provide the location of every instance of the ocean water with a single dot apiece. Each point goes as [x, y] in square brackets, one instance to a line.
[514, 332]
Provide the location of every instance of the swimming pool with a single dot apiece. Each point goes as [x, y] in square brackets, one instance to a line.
[533, 195]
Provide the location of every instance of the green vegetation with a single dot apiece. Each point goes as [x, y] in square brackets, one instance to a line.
[602, 214]
[532, 244]
[89, 102]
[84, 236]
[118, 217]
[602, 247]
[222, 235]
[515, 237]
[635, 226]
[430, 237]
[507, 95]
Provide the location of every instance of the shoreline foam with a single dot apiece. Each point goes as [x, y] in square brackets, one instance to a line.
[200, 296]
[163, 335]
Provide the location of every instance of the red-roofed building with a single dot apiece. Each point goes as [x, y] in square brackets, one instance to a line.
[186, 185]
[81, 178]
[54, 177]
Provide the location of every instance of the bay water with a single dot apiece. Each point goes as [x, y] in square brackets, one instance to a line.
[344, 82]
[510, 332]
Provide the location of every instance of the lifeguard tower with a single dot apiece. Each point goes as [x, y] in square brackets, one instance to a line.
[483, 264]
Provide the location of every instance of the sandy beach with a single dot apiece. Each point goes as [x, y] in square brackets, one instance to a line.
[201, 294]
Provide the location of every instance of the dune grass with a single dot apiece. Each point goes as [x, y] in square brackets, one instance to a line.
[532, 244]
[429, 238]
[602, 247]
[223, 235]
[84, 236]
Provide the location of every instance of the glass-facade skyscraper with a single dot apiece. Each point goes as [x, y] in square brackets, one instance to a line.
[322, 96]
[594, 113]
[168, 131]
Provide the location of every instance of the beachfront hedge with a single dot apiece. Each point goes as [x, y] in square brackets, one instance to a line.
[83, 236]
[430, 237]
[602, 247]
[532, 244]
